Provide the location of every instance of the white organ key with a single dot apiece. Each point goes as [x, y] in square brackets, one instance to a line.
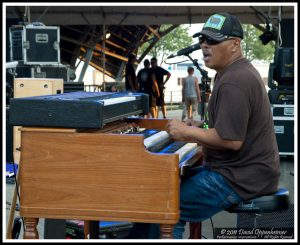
[154, 139]
[111, 101]
[185, 149]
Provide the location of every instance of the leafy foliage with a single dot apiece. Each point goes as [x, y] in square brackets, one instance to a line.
[179, 38]
[253, 47]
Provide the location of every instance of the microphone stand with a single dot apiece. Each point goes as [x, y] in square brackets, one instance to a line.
[205, 80]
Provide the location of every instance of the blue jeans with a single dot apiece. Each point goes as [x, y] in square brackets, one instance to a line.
[202, 195]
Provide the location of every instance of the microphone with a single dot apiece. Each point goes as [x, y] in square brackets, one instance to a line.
[186, 51]
[189, 49]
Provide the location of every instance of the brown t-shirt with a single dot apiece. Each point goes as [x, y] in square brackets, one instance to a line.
[239, 109]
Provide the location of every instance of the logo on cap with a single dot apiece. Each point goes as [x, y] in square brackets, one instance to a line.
[216, 22]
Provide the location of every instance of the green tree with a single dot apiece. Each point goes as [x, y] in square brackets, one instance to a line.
[253, 47]
[170, 43]
[179, 38]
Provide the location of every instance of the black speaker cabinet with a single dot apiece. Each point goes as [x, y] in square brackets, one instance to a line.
[283, 117]
[35, 45]
[280, 219]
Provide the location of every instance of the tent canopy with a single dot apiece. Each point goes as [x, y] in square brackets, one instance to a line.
[145, 15]
[83, 28]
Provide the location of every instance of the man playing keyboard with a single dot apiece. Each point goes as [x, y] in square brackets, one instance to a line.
[241, 159]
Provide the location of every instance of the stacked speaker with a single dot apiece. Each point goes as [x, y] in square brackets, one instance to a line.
[281, 84]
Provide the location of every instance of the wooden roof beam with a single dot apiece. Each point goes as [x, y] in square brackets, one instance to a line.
[99, 48]
[118, 36]
[154, 31]
[84, 44]
[115, 45]
[99, 68]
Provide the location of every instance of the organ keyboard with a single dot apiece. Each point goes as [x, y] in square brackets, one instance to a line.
[160, 142]
[76, 109]
[128, 170]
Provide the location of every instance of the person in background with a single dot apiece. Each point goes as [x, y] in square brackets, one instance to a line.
[191, 93]
[147, 84]
[241, 158]
[113, 88]
[206, 91]
[130, 76]
[160, 73]
[184, 113]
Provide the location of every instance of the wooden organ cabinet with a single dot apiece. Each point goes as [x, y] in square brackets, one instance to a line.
[91, 174]
[24, 87]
